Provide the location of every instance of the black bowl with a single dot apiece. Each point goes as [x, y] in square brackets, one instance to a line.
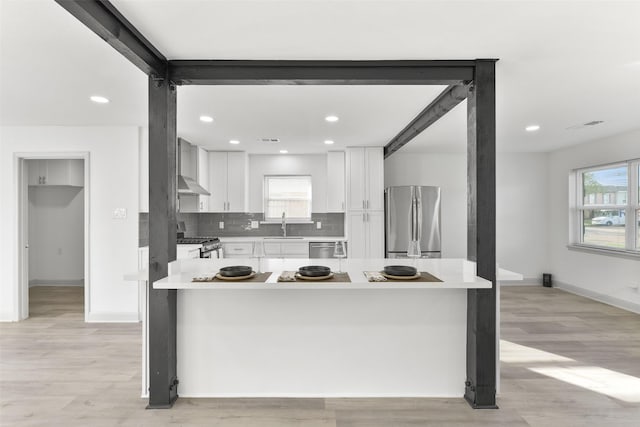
[235, 271]
[314, 270]
[400, 270]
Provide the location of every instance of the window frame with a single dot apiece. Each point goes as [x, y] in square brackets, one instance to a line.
[632, 206]
[265, 198]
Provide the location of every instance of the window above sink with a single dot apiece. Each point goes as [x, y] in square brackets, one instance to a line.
[288, 194]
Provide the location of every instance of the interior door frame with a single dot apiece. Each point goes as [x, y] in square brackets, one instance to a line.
[21, 177]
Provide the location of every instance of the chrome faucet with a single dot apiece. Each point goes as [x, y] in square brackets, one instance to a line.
[284, 225]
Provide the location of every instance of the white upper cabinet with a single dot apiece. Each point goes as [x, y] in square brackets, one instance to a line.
[374, 165]
[217, 181]
[203, 177]
[356, 179]
[56, 172]
[365, 178]
[237, 181]
[228, 181]
[335, 181]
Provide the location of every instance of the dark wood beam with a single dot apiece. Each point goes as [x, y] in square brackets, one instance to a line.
[207, 72]
[480, 390]
[163, 390]
[103, 18]
[449, 98]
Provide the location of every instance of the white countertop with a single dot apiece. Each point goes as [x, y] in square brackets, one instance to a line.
[275, 239]
[454, 273]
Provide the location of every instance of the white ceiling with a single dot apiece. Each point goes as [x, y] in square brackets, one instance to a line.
[561, 64]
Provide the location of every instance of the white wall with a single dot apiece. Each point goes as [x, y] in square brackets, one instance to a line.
[290, 164]
[56, 235]
[520, 206]
[113, 167]
[600, 276]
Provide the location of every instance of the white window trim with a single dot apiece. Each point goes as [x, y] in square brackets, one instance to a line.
[288, 220]
[576, 206]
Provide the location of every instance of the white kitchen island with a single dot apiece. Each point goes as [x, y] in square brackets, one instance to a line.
[322, 339]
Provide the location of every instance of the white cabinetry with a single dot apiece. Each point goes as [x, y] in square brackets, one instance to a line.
[286, 249]
[187, 251]
[203, 178]
[365, 178]
[365, 202]
[238, 250]
[365, 234]
[228, 181]
[335, 181]
[56, 172]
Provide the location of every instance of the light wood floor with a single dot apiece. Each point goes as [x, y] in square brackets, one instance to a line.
[57, 370]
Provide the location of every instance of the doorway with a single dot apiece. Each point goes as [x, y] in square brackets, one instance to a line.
[53, 235]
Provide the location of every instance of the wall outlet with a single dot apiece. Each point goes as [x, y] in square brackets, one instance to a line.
[119, 213]
[255, 224]
[221, 225]
[318, 225]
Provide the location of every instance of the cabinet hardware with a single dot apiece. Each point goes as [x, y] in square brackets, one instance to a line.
[367, 204]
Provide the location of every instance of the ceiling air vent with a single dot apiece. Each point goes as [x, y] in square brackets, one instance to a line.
[269, 140]
[586, 125]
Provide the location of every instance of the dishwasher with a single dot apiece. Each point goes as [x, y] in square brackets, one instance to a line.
[323, 249]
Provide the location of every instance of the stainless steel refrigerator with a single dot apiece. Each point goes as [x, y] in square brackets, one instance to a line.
[412, 212]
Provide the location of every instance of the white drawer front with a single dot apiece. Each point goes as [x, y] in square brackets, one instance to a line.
[295, 249]
[234, 249]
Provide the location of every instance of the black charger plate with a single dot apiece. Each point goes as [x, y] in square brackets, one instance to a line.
[235, 270]
[314, 271]
[400, 270]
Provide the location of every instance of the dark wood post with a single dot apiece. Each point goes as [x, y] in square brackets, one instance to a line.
[480, 390]
[163, 390]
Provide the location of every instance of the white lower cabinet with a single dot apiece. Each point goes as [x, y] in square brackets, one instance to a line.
[271, 249]
[238, 249]
[187, 251]
[365, 233]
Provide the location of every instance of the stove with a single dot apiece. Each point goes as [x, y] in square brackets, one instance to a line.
[209, 245]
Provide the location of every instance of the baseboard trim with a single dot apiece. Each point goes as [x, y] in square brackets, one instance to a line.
[527, 281]
[111, 317]
[597, 296]
[6, 316]
[67, 282]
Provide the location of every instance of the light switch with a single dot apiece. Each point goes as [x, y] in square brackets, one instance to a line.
[221, 225]
[119, 213]
[318, 225]
[255, 224]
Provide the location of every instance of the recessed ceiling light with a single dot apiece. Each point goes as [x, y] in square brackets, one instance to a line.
[532, 128]
[206, 119]
[99, 99]
[283, 151]
[332, 118]
[328, 142]
[234, 141]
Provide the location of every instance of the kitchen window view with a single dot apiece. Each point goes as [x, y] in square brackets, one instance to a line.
[289, 196]
[603, 204]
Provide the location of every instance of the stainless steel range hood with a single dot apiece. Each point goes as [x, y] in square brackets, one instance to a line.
[189, 186]
[187, 161]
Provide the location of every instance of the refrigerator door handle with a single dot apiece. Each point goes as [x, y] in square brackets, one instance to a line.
[414, 220]
[419, 220]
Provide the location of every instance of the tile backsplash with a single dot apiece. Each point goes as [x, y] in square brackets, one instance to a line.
[239, 225]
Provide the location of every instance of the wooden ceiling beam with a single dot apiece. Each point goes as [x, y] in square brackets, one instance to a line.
[103, 18]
